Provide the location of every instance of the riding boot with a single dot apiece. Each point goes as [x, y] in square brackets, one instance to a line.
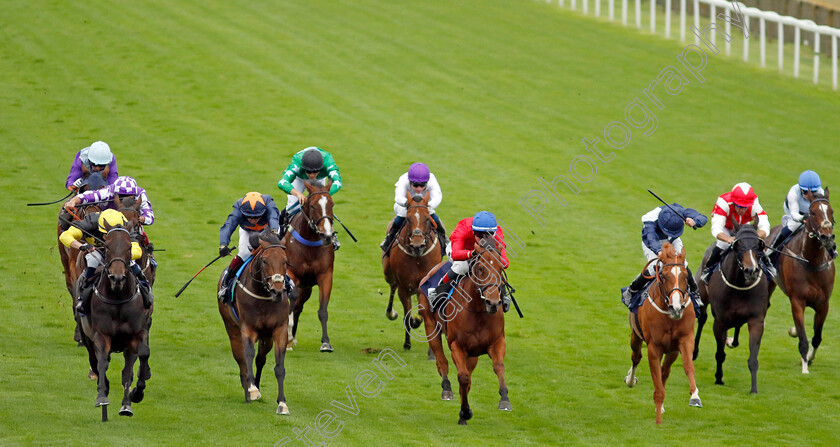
[693, 294]
[145, 287]
[291, 291]
[635, 287]
[86, 292]
[505, 299]
[441, 232]
[230, 273]
[443, 288]
[781, 238]
[336, 245]
[283, 223]
[711, 263]
[768, 266]
[389, 238]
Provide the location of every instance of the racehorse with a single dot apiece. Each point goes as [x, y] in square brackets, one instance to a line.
[260, 313]
[738, 293]
[414, 252]
[473, 324]
[665, 321]
[809, 282]
[118, 322]
[311, 256]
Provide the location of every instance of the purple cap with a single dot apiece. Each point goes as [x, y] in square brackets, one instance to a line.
[418, 173]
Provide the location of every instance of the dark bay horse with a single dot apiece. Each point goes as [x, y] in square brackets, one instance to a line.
[260, 315]
[117, 322]
[413, 254]
[665, 321]
[474, 324]
[809, 283]
[311, 255]
[738, 292]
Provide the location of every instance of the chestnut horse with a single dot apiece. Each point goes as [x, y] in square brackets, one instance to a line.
[260, 313]
[118, 322]
[738, 293]
[809, 283]
[311, 255]
[130, 208]
[414, 252]
[473, 323]
[665, 321]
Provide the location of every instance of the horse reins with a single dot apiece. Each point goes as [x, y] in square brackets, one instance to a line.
[108, 268]
[431, 247]
[314, 225]
[275, 278]
[741, 267]
[660, 283]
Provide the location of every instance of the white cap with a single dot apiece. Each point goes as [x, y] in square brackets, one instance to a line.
[100, 153]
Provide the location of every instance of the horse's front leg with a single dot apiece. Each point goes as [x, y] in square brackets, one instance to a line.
[686, 345]
[701, 321]
[497, 355]
[130, 356]
[797, 306]
[720, 354]
[821, 312]
[281, 339]
[389, 312]
[756, 328]
[262, 353]
[249, 337]
[102, 345]
[144, 373]
[324, 289]
[408, 322]
[459, 357]
[655, 362]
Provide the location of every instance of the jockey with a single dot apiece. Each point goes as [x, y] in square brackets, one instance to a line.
[251, 214]
[123, 187]
[740, 204]
[660, 225]
[418, 180]
[312, 163]
[95, 158]
[93, 225]
[796, 205]
[461, 248]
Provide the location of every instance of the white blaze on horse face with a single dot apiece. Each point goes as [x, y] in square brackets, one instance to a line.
[753, 261]
[327, 226]
[675, 295]
[826, 223]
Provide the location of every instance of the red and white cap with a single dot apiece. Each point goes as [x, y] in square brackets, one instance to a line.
[743, 195]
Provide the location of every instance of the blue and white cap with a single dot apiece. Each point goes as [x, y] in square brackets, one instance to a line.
[484, 221]
[809, 181]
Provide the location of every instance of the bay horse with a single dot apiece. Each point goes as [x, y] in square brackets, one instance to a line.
[472, 323]
[738, 292]
[413, 254]
[311, 256]
[260, 314]
[810, 282]
[665, 321]
[118, 322]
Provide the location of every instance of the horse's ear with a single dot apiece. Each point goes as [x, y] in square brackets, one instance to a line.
[310, 185]
[327, 183]
[735, 225]
[106, 226]
[426, 197]
[117, 201]
[137, 205]
[408, 196]
[825, 193]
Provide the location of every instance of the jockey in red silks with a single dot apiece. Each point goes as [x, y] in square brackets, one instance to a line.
[740, 204]
[461, 249]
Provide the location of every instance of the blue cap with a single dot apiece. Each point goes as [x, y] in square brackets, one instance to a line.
[484, 221]
[809, 181]
[670, 223]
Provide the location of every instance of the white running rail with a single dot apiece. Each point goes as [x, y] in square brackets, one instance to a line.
[751, 15]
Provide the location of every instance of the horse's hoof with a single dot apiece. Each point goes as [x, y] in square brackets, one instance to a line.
[136, 395]
[805, 367]
[446, 395]
[631, 382]
[102, 401]
[292, 342]
[695, 403]
[792, 331]
[504, 405]
[92, 375]
[729, 342]
[125, 410]
[465, 415]
[283, 409]
[254, 393]
[392, 315]
[718, 382]
[80, 344]
[407, 346]
[462, 422]
[811, 354]
[326, 347]
[289, 348]
[415, 322]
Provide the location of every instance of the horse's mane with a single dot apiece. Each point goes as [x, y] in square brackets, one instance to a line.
[317, 182]
[668, 252]
[271, 237]
[744, 229]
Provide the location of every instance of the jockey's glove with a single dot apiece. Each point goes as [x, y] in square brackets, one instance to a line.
[224, 250]
[84, 248]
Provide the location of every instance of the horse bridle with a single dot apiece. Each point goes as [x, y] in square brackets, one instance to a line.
[314, 224]
[480, 288]
[813, 233]
[126, 263]
[684, 296]
[267, 280]
[420, 232]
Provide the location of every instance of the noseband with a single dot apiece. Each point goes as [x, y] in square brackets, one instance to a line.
[314, 224]
[126, 263]
[813, 232]
[267, 280]
[660, 283]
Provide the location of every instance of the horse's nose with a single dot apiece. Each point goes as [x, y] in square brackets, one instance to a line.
[491, 307]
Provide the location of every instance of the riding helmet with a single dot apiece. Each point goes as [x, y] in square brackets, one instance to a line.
[252, 205]
[112, 218]
[809, 181]
[670, 223]
[418, 173]
[312, 159]
[743, 194]
[484, 221]
[100, 153]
